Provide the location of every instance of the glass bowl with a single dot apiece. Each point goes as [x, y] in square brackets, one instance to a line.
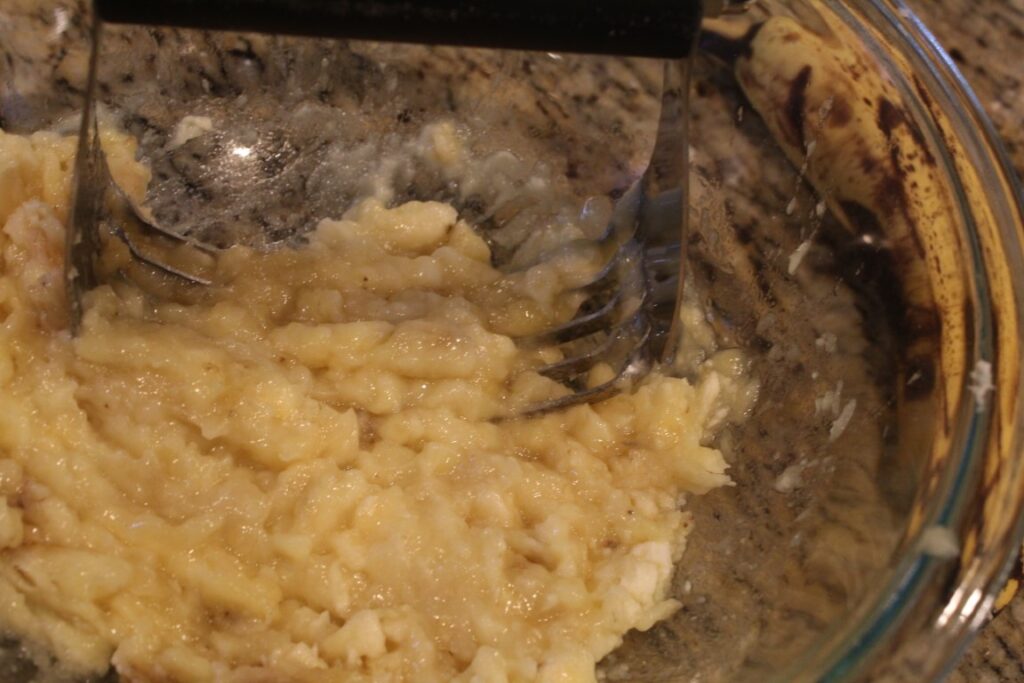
[858, 237]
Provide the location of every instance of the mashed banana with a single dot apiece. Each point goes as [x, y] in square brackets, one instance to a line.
[296, 477]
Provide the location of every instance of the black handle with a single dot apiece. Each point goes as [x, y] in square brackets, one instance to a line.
[642, 28]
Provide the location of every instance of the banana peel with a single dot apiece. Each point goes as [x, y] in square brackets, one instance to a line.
[843, 122]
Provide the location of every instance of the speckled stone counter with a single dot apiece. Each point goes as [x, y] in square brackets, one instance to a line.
[986, 40]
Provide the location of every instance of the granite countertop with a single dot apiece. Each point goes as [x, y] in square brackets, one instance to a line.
[986, 40]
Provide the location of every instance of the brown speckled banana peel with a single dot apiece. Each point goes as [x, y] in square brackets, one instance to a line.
[835, 114]
[994, 519]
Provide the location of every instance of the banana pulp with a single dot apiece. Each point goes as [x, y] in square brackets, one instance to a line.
[295, 475]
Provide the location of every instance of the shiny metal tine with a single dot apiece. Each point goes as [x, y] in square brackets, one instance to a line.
[664, 257]
[663, 292]
[635, 365]
[82, 242]
[664, 213]
[653, 214]
[662, 266]
[93, 188]
[156, 264]
[607, 277]
[625, 336]
[630, 291]
[620, 231]
[125, 212]
[137, 216]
